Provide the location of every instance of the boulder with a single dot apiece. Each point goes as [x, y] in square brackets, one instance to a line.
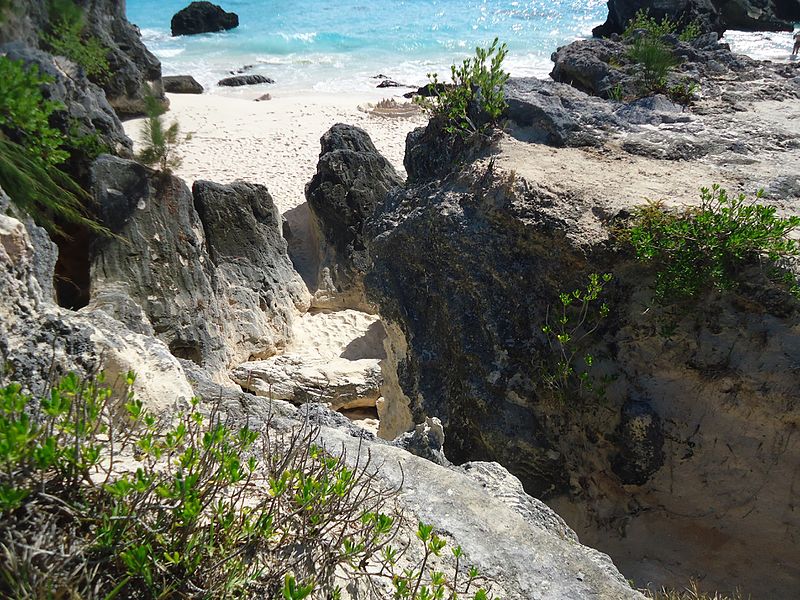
[202, 17]
[352, 179]
[387, 83]
[181, 84]
[240, 80]
[215, 294]
[710, 15]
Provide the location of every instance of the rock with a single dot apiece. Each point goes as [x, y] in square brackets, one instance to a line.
[352, 179]
[40, 342]
[556, 114]
[299, 380]
[586, 65]
[641, 442]
[425, 441]
[264, 98]
[215, 294]
[387, 83]
[710, 15]
[202, 17]
[134, 72]
[428, 90]
[181, 84]
[240, 80]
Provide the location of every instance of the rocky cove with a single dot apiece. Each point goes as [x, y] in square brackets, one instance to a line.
[413, 298]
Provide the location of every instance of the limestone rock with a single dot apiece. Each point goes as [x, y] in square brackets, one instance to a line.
[202, 17]
[181, 84]
[240, 80]
[352, 179]
[215, 294]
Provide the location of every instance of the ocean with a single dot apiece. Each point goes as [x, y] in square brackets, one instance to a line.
[339, 46]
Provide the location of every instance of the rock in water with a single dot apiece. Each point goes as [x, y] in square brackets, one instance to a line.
[239, 80]
[181, 84]
[202, 17]
[352, 179]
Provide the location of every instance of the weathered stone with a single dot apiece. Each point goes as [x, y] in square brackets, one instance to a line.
[240, 80]
[181, 84]
[202, 17]
[352, 179]
[426, 440]
[214, 294]
[641, 442]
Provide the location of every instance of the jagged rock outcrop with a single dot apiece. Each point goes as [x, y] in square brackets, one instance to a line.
[240, 80]
[710, 15]
[215, 294]
[40, 342]
[602, 67]
[202, 17]
[352, 179]
[181, 84]
[134, 71]
[467, 262]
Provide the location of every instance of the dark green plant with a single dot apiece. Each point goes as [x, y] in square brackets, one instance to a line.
[159, 141]
[25, 113]
[642, 21]
[569, 328]
[655, 61]
[475, 93]
[67, 36]
[704, 248]
[100, 499]
[684, 91]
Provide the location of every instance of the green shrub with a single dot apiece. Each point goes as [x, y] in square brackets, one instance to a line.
[66, 36]
[642, 21]
[100, 499]
[159, 142]
[569, 328]
[477, 85]
[707, 247]
[655, 61]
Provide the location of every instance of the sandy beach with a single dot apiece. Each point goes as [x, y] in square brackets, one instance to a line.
[273, 142]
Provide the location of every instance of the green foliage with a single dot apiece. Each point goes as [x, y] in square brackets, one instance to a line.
[476, 92]
[655, 60]
[160, 142]
[98, 498]
[569, 329]
[617, 93]
[67, 37]
[25, 114]
[707, 247]
[642, 21]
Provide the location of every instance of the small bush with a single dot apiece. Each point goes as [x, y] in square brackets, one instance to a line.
[707, 247]
[99, 499]
[655, 60]
[642, 21]
[67, 37]
[569, 328]
[475, 99]
[159, 143]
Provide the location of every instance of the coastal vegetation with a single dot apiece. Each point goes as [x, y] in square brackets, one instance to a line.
[474, 100]
[66, 36]
[159, 140]
[709, 246]
[100, 498]
[32, 151]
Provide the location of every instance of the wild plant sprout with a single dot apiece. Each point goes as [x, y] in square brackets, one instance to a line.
[159, 141]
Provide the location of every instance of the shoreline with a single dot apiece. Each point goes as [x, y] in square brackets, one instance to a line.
[273, 142]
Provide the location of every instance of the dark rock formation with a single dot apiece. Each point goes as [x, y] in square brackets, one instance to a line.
[387, 83]
[427, 90]
[239, 80]
[352, 179]
[710, 15]
[640, 438]
[213, 297]
[181, 84]
[134, 70]
[202, 17]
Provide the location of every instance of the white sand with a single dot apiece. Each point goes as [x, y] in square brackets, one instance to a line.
[273, 142]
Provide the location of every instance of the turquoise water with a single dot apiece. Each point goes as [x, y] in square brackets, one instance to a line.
[338, 45]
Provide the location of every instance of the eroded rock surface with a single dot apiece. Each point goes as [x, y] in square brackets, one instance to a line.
[202, 17]
[352, 179]
[181, 84]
